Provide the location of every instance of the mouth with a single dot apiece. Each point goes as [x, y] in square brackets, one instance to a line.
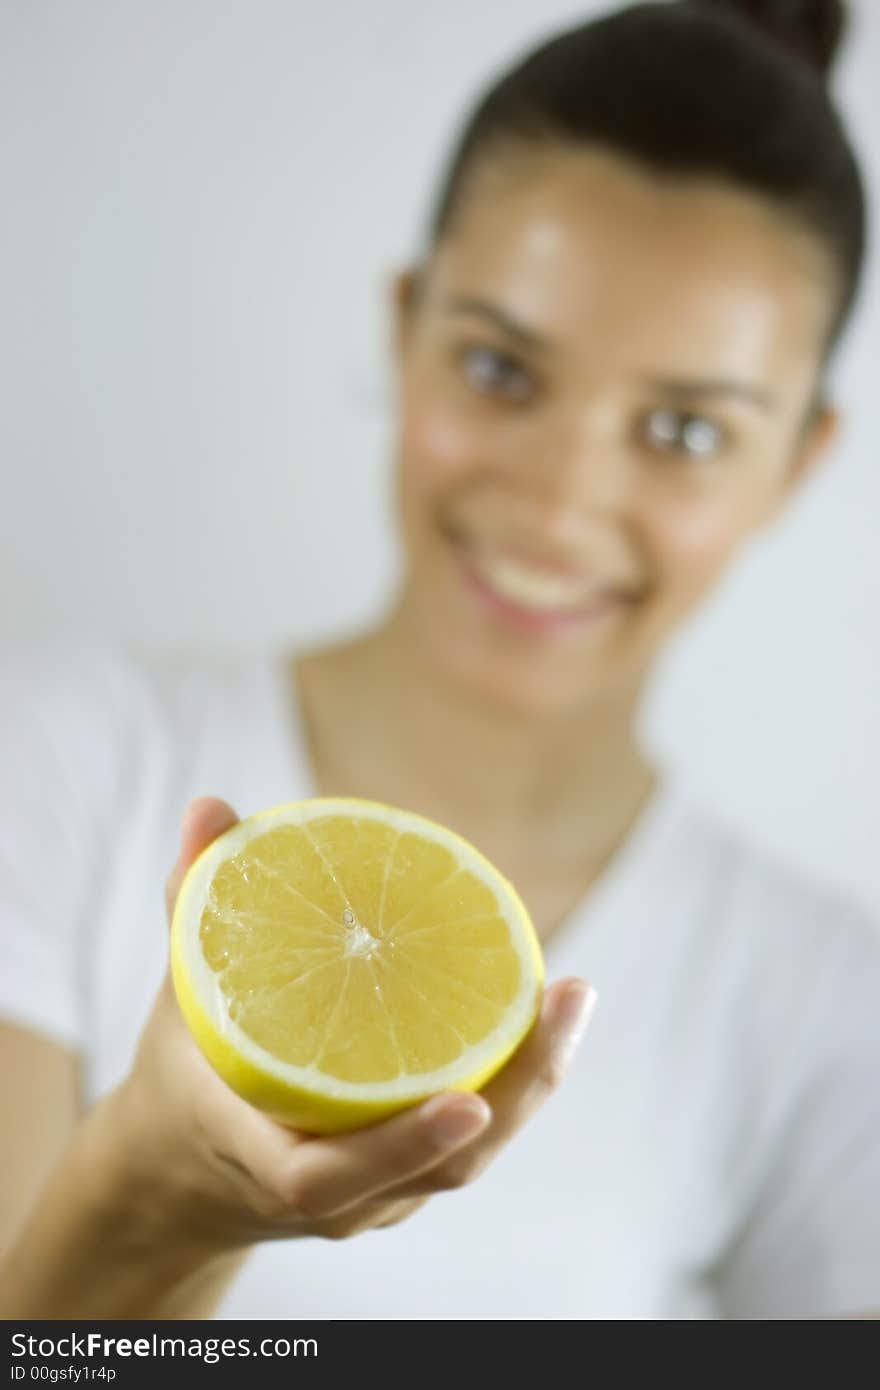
[538, 596]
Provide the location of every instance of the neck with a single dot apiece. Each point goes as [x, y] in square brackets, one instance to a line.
[382, 724]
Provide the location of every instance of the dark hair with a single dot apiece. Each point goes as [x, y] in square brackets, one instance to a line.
[729, 89]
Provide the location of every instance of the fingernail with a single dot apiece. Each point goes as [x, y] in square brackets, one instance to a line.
[574, 1015]
[450, 1124]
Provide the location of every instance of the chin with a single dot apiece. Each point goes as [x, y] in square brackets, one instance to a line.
[516, 668]
[520, 685]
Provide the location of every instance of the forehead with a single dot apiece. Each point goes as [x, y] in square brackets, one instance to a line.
[592, 250]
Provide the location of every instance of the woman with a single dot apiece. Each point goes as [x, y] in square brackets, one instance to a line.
[610, 367]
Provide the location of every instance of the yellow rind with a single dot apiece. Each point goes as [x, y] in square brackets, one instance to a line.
[311, 1110]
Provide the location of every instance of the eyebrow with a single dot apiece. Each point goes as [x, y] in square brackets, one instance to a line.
[695, 389]
[474, 307]
[698, 389]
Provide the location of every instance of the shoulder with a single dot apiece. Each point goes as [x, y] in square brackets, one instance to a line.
[55, 674]
[65, 706]
[799, 942]
[755, 879]
[93, 677]
[88, 706]
[184, 684]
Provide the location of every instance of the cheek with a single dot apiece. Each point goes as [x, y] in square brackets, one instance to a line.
[695, 541]
[435, 450]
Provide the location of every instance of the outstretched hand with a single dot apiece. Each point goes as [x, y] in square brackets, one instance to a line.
[233, 1176]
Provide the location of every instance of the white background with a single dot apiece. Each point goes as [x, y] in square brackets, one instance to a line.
[202, 201]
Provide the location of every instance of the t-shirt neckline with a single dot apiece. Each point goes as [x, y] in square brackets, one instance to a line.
[617, 880]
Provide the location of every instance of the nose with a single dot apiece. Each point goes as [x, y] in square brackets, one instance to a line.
[576, 462]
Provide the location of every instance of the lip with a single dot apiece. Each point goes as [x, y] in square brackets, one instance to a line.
[605, 605]
[535, 561]
[512, 550]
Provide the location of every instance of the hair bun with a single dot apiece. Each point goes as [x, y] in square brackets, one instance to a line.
[811, 29]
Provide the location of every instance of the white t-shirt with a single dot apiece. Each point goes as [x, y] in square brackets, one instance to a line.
[715, 1150]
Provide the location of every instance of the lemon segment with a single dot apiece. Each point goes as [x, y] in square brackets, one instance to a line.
[337, 960]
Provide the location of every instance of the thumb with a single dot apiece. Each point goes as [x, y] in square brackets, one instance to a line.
[204, 819]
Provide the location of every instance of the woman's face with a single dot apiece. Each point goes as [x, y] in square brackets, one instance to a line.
[604, 380]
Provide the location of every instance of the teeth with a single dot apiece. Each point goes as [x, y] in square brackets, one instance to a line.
[532, 589]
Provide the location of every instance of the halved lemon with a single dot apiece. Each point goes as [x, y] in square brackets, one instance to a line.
[337, 960]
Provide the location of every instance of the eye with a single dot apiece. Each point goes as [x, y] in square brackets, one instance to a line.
[677, 431]
[496, 373]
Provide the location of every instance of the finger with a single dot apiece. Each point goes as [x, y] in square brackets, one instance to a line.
[440, 1144]
[517, 1092]
[372, 1216]
[400, 1211]
[204, 819]
[538, 1065]
[327, 1175]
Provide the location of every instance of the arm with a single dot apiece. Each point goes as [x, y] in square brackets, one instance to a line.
[89, 1247]
[808, 1242]
[165, 1185]
[41, 1107]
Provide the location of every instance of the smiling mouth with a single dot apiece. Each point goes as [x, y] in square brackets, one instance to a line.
[537, 595]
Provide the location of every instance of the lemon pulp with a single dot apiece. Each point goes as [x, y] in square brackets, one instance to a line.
[353, 956]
